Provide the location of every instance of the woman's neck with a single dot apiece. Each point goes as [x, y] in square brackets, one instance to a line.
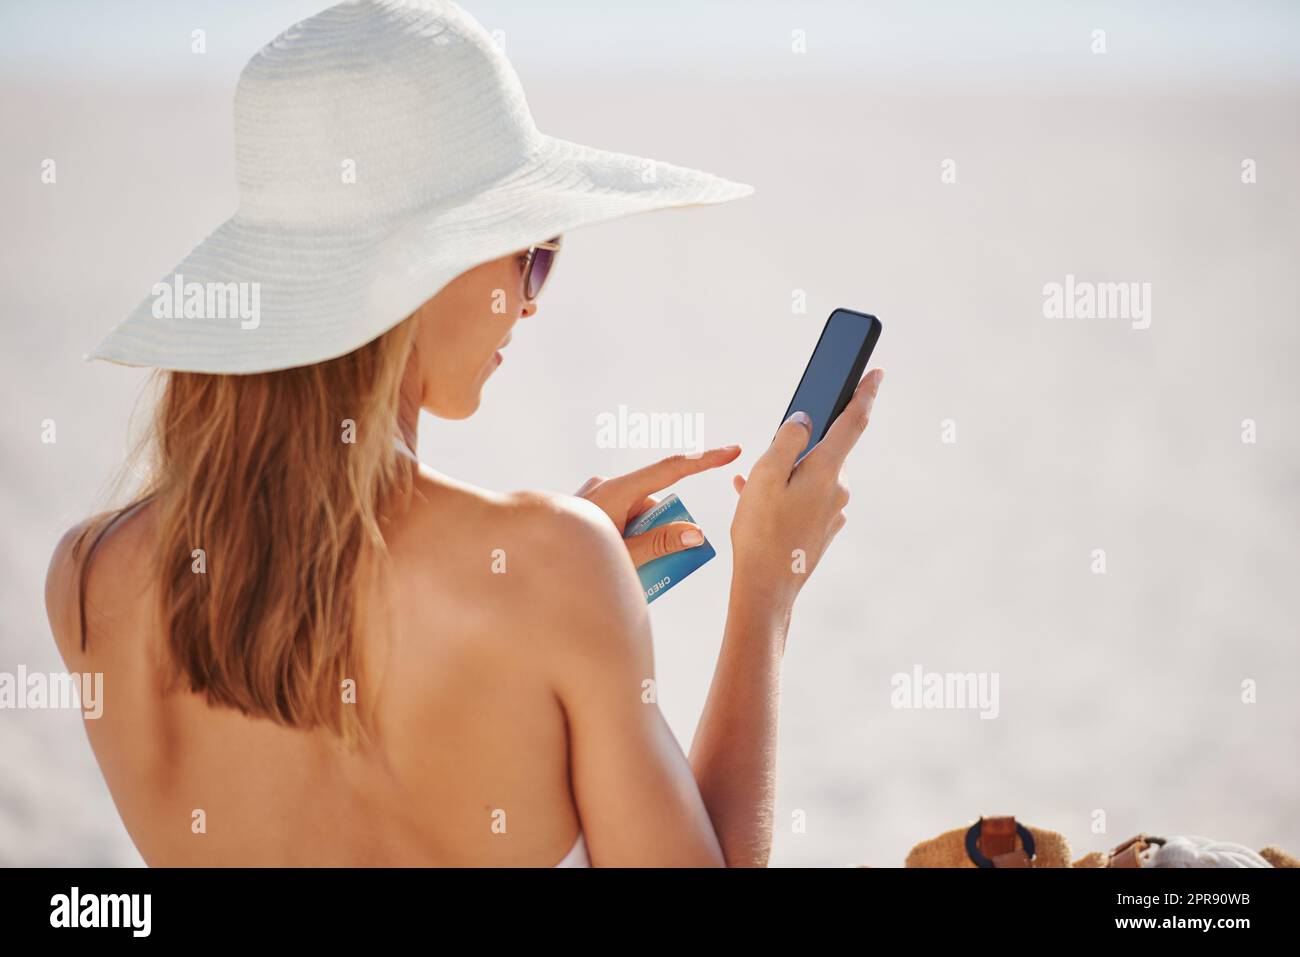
[408, 419]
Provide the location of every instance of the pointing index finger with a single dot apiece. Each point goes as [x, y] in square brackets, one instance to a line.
[659, 475]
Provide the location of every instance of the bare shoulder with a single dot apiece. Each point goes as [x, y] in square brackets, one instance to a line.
[587, 599]
[61, 583]
[584, 554]
[541, 563]
[120, 552]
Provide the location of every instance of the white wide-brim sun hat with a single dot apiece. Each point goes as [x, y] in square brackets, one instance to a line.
[383, 148]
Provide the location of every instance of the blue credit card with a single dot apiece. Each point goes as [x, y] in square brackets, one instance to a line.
[660, 574]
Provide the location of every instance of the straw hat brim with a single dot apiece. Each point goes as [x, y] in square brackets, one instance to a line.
[325, 291]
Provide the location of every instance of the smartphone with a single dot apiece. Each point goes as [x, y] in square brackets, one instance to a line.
[833, 372]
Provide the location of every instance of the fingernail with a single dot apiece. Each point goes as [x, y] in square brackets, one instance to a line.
[729, 448]
[692, 536]
[802, 418]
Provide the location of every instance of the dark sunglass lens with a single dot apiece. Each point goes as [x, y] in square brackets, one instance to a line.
[541, 268]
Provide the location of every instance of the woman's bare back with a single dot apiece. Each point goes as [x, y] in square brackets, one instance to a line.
[467, 758]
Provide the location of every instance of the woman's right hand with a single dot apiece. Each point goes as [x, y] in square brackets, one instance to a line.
[788, 514]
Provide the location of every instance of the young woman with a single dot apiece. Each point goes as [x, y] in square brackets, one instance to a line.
[317, 651]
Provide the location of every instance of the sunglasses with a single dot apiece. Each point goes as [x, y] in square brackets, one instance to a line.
[538, 264]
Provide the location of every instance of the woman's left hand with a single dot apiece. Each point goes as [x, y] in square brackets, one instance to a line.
[624, 497]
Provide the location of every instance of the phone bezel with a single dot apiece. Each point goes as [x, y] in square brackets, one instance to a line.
[855, 373]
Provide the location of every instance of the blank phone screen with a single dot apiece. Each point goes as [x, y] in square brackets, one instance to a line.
[828, 371]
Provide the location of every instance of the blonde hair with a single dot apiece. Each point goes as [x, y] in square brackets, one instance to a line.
[281, 478]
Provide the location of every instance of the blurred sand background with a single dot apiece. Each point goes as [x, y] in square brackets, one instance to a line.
[1119, 692]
